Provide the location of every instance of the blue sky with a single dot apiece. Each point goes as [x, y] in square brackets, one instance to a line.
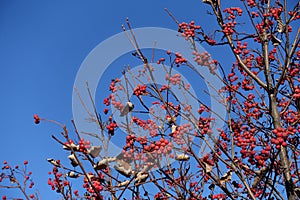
[43, 44]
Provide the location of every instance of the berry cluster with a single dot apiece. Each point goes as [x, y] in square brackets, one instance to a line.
[251, 3]
[84, 145]
[175, 79]
[204, 125]
[281, 134]
[149, 125]
[117, 104]
[276, 12]
[179, 59]
[290, 116]
[228, 28]
[111, 126]
[223, 135]
[241, 49]
[209, 40]
[204, 59]
[188, 30]
[252, 109]
[254, 14]
[112, 86]
[294, 68]
[164, 87]
[97, 185]
[140, 90]
[58, 183]
[296, 94]
[36, 119]
[162, 146]
[233, 12]
[161, 60]
[179, 133]
[272, 54]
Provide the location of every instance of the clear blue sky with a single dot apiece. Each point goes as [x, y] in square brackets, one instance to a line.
[43, 44]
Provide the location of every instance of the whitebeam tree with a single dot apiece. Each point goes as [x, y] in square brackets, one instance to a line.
[253, 155]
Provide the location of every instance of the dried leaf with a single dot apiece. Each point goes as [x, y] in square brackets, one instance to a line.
[226, 177]
[94, 151]
[124, 183]
[182, 157]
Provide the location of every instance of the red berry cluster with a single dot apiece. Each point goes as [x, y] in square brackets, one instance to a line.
[140, 90]
[130, 140]
[294, 68]
[283, 103]
[223, 135]
[84, 145]
[187, 107]
[244, 138]
[160, 196]
[228, 28]
[164, 87]
[179, 58]
[247, 83]
[106, 101]
[254, 14]
[142, 140]
[296, 94]
[263, 156]
[140, 122]
[276, 12]
[149, 125]
[175, 79]
[208, 160]
[251, 3]
[232, 77]
[202, 109]
[163, 146]
[263, 26]
[161, 60]
[233, 12]
[290, 116]
[111, 126]
[257, 192]
[281, 134]
[241, 49]
[188, 30]
[76, 193]
[56, 183]
[105, 110]
[96, 182]
[117, 104]
[252, 109]
[112, 86]
[36, 119]
[209, 40]
[204, 59]
[272, 54]
[180, 132]
[218, 196]
[204, 125]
